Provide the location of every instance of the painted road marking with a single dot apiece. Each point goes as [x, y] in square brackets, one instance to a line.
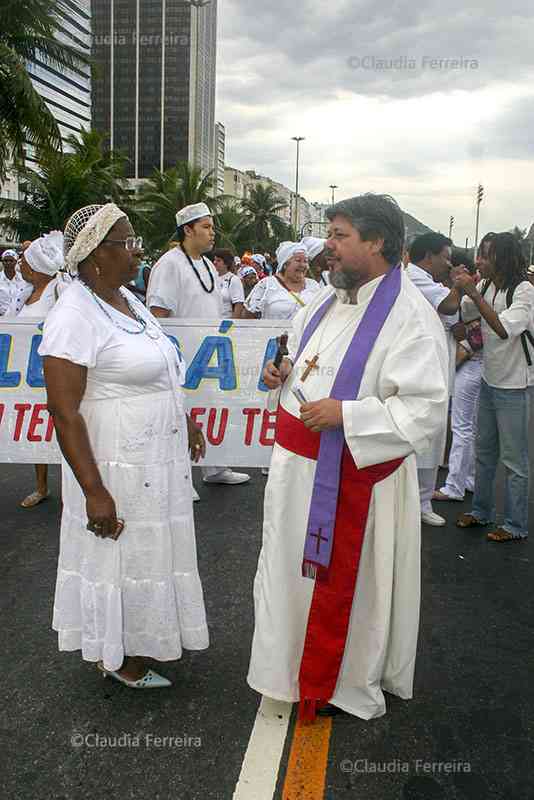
[261, 764]
[308, 761]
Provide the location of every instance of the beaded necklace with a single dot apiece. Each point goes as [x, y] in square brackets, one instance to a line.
[208, 291]
[137, 317]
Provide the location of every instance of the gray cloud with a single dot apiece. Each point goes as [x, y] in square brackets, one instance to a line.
[509, 135]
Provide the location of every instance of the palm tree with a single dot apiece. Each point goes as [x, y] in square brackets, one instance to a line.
[229, 226]
[164, 193]
[63, 183]
[261, 210]
[28, 31]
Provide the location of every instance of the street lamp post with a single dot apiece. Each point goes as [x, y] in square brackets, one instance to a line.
[479, 198]
[298, 140]
[451, 226]
[333, 186]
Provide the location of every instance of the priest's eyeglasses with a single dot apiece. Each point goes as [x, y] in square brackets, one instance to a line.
[131, 243]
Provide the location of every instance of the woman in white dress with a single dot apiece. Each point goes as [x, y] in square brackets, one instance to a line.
[128, 585]
[280, 296]
[39, 265]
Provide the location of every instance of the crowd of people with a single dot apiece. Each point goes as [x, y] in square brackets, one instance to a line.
[428, 331]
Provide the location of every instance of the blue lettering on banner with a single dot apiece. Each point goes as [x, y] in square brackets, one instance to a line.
[224, 372]
[8, 380]
[270, 352]
[35, 374]
[176, 344]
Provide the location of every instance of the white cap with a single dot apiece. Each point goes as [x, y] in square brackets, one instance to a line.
[191, 213]
[313, 246]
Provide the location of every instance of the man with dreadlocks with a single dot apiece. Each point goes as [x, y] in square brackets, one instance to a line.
[505, 301]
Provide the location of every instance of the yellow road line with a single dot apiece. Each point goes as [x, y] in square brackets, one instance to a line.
[308, 761]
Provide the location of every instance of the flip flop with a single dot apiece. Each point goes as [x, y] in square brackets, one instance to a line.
[500, 535]
[469, 521]
[34, 499]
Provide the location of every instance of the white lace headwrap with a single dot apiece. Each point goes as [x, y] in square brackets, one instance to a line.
[86, 229]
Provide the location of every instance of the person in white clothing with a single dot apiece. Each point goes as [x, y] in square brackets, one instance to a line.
[461, 473]
[127, 586]
[429, 269]
[14, 290]
[316, 249]
[280, 296]
[337, 591]
[231, 288]
[505, 303]
[39, 265]
[184, 284]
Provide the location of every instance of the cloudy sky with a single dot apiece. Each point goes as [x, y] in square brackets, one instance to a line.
[420, 100]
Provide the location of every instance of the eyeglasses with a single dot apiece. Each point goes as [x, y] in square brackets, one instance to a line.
[131, 243]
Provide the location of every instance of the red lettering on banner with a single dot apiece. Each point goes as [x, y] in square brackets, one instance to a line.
[50, 429]
[21, 409]
[195, 413]
[2, 408]
[268, 425]
[35, 421]
[210, 434]
[250, 414]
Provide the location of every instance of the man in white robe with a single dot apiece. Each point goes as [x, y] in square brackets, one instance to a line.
[185, 284]
[400, 406]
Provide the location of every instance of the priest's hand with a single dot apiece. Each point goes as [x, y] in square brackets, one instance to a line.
[322, 415]
[272, 377]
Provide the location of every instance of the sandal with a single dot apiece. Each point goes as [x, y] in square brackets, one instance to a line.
[469, 521]
[34, 499]
[500, 535]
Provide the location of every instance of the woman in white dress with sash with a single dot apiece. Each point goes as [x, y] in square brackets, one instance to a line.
[280, 296]
[128, 585]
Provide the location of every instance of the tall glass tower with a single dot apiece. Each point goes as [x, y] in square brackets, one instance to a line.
[154, 82]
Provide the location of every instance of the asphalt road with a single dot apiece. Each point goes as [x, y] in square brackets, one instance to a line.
[62, 723]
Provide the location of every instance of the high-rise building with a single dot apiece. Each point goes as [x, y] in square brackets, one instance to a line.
[220, 157]
[154, 83]
[67, 93]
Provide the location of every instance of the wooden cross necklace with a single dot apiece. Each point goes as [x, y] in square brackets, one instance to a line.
[313, 364]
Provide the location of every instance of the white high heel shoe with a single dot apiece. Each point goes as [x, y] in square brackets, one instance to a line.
[150, 680]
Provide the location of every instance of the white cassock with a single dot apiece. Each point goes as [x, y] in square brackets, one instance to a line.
[401, 406]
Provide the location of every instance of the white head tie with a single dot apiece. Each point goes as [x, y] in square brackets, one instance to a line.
[191, 213]
[86, 229]
[9, 254]
[45, 255]
[313, 246]
[287, 250]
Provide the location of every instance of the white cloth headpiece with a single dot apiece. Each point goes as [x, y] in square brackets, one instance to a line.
[86, 229]
[191, 213]
[259, 259]
[45, 255]
[248, 271]
[287, 250]
[313, 246]
[9, 254]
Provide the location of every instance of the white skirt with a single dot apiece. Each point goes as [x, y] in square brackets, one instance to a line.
[140, 595]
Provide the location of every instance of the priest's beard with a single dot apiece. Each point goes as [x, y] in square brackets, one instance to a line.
[346, 279]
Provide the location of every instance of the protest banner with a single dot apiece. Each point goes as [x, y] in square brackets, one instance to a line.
[224, 391]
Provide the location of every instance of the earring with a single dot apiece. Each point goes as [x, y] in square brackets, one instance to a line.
[98, 271]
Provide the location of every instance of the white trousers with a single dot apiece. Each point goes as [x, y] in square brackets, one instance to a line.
[463, 422]
[427, 484]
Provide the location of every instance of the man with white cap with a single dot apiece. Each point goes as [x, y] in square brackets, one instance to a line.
[14, 290]
[184, 284]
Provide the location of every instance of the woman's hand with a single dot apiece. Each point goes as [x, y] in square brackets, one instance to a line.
[102, 515]
[197, 443]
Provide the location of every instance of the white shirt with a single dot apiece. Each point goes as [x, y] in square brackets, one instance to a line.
[504, 365]
[232, 292]
[435, 293]
[41, 307]
[13, 293]
[174, 285]
[272, 301]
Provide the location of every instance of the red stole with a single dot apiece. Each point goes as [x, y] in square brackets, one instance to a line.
[329, 617]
